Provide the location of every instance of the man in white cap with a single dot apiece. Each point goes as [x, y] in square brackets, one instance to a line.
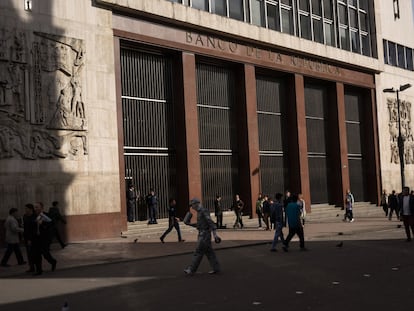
[205, 226]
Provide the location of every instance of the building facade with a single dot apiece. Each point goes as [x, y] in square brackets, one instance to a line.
[198, 98]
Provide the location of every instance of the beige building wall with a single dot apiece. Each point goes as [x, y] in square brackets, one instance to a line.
[58, 111]
[399, 30]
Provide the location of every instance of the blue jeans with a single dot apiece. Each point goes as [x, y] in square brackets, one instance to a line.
[278, 234]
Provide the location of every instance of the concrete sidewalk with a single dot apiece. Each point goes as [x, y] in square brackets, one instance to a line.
[149, 246]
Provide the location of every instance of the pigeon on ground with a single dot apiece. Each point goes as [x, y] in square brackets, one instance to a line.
[340, 244]
[136, 240]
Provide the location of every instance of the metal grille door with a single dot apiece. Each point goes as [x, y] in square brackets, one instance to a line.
[316, 124]
[353, 119]
[217, 133]
[148, 125]
[269, 117]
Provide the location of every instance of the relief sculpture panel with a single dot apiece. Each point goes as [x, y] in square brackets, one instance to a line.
[42, 109]
[406, 130]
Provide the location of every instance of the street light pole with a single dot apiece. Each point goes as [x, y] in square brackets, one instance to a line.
[400, 142]
[401, 139]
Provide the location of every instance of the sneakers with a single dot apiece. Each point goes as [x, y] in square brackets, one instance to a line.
[188, 271]
[214, 272]
[352, 220]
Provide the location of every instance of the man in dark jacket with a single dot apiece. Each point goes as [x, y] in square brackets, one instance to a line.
[277, 219]
[406, 206]
[41, 239]
[393, 205]
[218, 211]
[172, 221]
[29, 225]
[57, 219]
[152, 203]
[238, 206]
[131, 196]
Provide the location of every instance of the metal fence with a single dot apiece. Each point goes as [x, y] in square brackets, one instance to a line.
[148, 125]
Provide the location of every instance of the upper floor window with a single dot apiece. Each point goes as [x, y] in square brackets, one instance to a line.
[398, 55]
[339, 23]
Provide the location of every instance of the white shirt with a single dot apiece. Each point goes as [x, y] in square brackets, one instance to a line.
[406, 205]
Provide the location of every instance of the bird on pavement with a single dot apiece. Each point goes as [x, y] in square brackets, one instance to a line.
[340, 244]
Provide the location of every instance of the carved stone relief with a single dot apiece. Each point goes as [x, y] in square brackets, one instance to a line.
[406, 130]
[42, 110]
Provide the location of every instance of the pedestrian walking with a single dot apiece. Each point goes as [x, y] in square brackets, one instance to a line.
[266, 211]
[384, 202]
[278, 219]
[259, 209]
[349, 203]
[218, 212]
[406, 205]
[172, 221]
[302, 205]
[42, 239]
[132, 198]
[29, 225]
[393, 205]
[12, 238]
[205, 227]
[292, 212]
[57, 221]
[152, 203]
[238, 206]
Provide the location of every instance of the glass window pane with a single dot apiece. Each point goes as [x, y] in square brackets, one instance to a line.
[363, 5]
[218, 7]
[329, 34]
[287, 21]
[409, 56]
[344, 35]
[353, 2]
[401, 56]
[343, 15]
[327, 9]
[385, 46]
[304, 5]
[273, 17]
[257, 17]
[355, 41]
[236, 9]
[392, 56]
[317, 31]
[366, 45]
[364, 21]
[288, 2]
[353, 18]
[200, 4]
[305, 29]
[316, 7]
[177, 1]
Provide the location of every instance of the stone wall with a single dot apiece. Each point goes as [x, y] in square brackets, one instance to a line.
[58, 124]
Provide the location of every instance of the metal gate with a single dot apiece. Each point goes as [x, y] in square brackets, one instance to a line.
[316, 128]
[353, 117]
[269, 119]
[148, 126]
[217, 133]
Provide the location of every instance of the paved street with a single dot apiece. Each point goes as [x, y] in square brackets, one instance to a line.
[372, 271]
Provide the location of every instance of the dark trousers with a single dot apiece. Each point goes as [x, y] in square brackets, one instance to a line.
[391, 211]
[152, 211]
[239, 220]
[219, 223]
[172, 225]
[29, 251]
[266, 217]
[130, 213]
[39, 249]
[259, 217]
[292, 232]
[10, 249]
[348, 214]
[56, 234]
[408, 221]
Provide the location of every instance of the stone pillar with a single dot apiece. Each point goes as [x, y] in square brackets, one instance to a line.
[297, 140]
[249, 166]
[188, 146]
